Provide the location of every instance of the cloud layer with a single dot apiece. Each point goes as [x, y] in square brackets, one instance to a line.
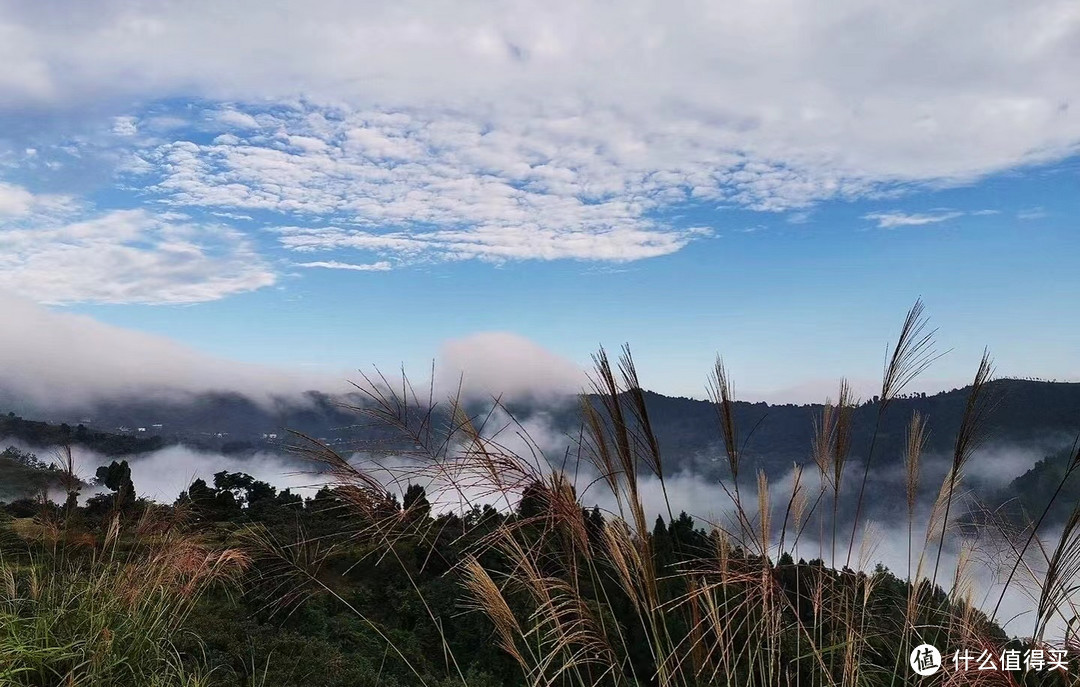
[60, 360]
[417, 185]
[419, 131]
[922, 90]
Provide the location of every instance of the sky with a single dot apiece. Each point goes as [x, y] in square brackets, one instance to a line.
[203, 192]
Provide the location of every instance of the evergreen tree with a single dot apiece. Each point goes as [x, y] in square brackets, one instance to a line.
[117, 477]
[415, 502]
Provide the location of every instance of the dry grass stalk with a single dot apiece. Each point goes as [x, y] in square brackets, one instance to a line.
[719, 616]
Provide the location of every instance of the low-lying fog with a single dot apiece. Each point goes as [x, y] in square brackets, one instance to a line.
[883, 535]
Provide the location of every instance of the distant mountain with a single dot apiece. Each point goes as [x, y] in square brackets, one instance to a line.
[46, 435]
[1032, 413]
[1041, 416]
[1024, 413]
[229, 422]
[1028, 495]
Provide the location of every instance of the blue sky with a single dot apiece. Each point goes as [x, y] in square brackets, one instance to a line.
[340, 185]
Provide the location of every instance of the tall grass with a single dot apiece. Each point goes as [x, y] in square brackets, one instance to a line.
[80, 609]
[576, 603]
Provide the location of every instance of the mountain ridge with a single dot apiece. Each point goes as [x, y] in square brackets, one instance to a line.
[1025, 412]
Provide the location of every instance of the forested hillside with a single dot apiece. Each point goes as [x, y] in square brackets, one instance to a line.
[1024, 412]
[1020, 412]
[51, 435]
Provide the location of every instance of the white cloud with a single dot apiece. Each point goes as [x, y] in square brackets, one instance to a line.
[234, 119]
[502, 364]
[891, 220]
[125, 126]
[522, 131]
[163, 474]
[120, 256]
[444, 187]
[54, 359]
[335, 265]
[61, 360]
[935, 82]
[17, 202]
[14, 200]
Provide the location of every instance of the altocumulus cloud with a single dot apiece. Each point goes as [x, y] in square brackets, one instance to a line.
[417, 186]
[418, 131]
[118, 256]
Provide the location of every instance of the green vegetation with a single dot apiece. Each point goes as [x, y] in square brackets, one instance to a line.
[37, 433]
[495, 568]
[83, 609]
[1025, 496]
[24, 473]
